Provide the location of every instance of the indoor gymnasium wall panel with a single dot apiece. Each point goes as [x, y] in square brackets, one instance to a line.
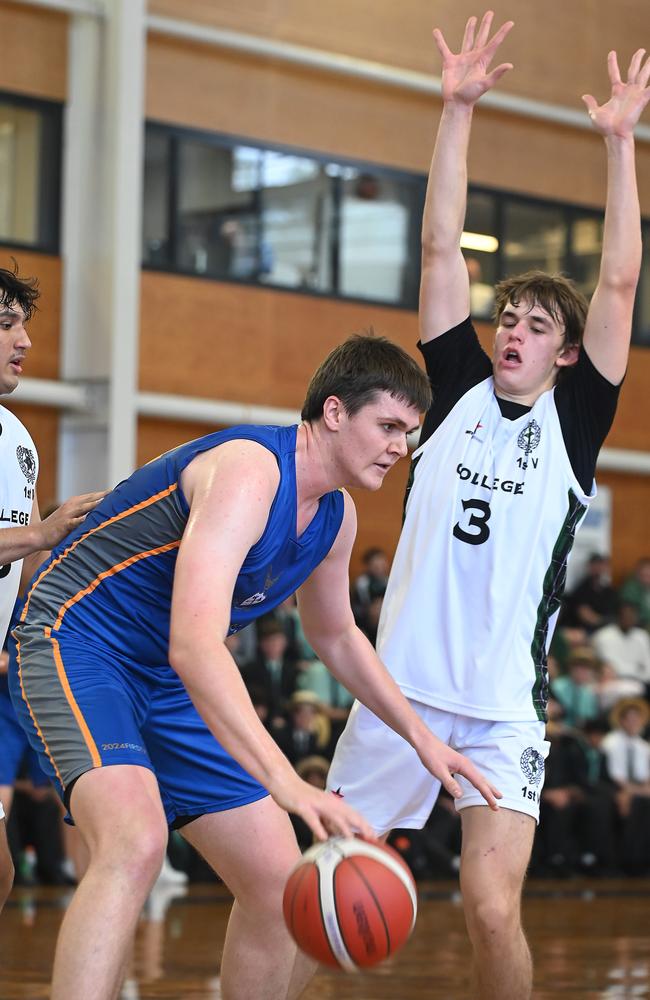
[35, 46]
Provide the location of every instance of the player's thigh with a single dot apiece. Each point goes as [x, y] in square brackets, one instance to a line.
[381, 775]
[496, 848]
[253, 848]
[195, 773]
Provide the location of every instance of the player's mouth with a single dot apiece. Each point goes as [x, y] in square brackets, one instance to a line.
[17, 365]
[510, 358]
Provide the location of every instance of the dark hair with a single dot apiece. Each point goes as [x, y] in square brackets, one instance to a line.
[360, 368]
[554, 293]
[22, 291]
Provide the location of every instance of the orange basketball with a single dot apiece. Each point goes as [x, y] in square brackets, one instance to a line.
[350, 903]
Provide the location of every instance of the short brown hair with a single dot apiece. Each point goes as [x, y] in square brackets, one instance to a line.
[359, 369]
[555, 293]
[21, 291]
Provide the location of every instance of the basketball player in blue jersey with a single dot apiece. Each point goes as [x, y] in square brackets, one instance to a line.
[134, 703]
[24, 538]
[500, 483]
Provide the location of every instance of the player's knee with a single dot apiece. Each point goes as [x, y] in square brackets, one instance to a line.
[491, 918]
[137, 853]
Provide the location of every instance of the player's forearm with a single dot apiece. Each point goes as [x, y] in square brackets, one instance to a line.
[352, 660]
[621, 256]
[217, 690]
[446, 198]
[19, 543]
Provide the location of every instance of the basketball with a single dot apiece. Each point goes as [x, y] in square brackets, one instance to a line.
[349, 903]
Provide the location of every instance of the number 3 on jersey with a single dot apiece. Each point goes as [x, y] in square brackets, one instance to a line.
[476, 514]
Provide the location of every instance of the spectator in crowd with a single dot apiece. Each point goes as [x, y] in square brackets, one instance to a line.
[628, 763]
[593, 602]
[313, 770]
[625, 646]
[576, 690]
[636, 590]
[372, 581]
[335, 700]
[308, 729]
[272, 669]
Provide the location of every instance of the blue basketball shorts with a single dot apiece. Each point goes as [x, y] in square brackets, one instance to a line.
[83, 707]
[15, 751]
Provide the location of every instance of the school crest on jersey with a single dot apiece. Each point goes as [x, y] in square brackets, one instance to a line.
[529, 438]
[27, 462]
[532, 765]
[252, 600]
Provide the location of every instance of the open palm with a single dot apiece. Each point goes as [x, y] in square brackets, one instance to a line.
[465, 75]
[622, 111]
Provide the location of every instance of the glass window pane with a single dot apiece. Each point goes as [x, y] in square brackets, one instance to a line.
[297, 215]
[217, 227]
[642, 317]
[586, 248]
[534, 237]
[379, 249]
[479, 244]
[20, 156]
[155, 204]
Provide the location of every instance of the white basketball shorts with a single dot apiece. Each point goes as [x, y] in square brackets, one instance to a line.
[381, 775]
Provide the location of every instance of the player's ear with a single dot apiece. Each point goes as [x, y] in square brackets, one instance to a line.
[333, 411]
[568, 356]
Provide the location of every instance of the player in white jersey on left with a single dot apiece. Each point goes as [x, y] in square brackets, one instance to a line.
[24, 538]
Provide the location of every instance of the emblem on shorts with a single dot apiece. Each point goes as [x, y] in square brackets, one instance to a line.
[27, 462]
[532, 765]
[529, 437]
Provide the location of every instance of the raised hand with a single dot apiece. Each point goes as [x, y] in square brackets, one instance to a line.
[465, 75]
[622, 111]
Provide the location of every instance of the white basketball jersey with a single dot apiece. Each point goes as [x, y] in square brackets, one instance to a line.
[475, 586]
[18, 474]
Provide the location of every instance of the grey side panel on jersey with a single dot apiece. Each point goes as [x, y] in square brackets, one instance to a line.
[160, 523]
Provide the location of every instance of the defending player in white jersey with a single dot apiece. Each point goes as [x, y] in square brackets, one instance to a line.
[500, 483]
[24, 538]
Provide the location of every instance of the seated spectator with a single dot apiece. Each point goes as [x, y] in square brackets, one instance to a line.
[314, 771]
[307, 731]
[593, 602]
[628, 764]
[624, 645]
[371, 583]
[336, 701]
[272, 670]
[636, 591]
[297, 646]
[576, 690]
[557, 848]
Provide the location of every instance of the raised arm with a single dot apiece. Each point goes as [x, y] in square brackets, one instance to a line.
[328, 622]
[609, 320]
[444, 286]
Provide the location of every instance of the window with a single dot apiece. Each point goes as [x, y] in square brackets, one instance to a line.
[220, 207]
[534, 237]
[30, 172]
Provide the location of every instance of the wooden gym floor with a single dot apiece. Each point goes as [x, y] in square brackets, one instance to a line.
[590, 940]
